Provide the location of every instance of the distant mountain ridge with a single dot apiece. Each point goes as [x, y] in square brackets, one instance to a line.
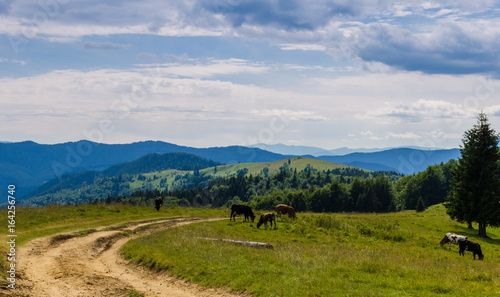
[401, 160]
[28, 165]
[317, 152]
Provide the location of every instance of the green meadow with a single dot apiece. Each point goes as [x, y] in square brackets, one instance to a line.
[328, 254]
[395, 254]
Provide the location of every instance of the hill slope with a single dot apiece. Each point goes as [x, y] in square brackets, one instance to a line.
[149, 163]
[299, 163]
[125, 179]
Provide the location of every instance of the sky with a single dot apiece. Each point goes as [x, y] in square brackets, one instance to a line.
[325, 73]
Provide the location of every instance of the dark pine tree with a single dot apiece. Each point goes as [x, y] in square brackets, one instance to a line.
[475, 185]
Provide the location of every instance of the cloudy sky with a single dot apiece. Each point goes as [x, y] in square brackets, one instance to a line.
[326, 73]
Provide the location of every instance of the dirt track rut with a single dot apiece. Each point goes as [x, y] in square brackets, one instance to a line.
[91, 266]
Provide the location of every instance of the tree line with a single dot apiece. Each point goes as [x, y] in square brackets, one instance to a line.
[339, 190]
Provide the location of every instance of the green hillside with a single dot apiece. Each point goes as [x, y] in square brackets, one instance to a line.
[299, 163]
[87, 186]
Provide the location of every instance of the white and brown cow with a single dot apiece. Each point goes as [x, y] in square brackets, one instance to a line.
[450, 238]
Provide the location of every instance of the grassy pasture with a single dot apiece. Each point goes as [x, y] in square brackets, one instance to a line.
[299, 163]
[395, 254]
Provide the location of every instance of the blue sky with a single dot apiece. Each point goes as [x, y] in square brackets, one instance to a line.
[327, 73]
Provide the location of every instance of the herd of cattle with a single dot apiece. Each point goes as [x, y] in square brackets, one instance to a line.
[237, 209]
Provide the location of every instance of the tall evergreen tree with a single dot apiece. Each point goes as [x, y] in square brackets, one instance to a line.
[475, 186]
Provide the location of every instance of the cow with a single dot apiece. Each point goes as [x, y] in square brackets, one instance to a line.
[285, 209]
[237, 209]
[158, 203]
[267, 217]
[471, 246]
[450, 238]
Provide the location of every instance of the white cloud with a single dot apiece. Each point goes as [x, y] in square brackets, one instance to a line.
[289, 115]
[406, 135]
[15, 61]
[104, 46]
[420, 110]
[303, 47]
[209, 68]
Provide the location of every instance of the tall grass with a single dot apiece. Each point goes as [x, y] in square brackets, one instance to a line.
[395, 254]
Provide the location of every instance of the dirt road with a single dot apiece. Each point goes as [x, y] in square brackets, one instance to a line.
[89, 265]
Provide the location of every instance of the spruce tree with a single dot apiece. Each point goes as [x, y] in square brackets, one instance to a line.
[475, 186]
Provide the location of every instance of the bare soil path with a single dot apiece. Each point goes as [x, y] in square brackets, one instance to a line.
[90, 265]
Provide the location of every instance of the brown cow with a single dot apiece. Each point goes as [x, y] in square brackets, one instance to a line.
[267, 217]
[285, 209]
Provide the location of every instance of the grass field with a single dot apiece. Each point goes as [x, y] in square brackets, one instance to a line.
[396, 254]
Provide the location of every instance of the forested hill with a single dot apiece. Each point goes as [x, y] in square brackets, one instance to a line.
[159, 162]
[28, 165]
[149, 163]
[92, 185]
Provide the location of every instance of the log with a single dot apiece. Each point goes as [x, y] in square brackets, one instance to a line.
[240, 242]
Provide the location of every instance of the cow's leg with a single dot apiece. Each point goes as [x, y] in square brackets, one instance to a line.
[449, 245]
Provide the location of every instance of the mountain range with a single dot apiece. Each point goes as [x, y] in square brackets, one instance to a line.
[316, 151]
[28, 165]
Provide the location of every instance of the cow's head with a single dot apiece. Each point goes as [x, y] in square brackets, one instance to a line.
[261, 221]
[444, 240]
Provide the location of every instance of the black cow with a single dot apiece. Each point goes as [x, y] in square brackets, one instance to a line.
[237, 209]
[158, 203]
[471, 246]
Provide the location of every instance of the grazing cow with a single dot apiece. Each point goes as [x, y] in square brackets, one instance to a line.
[267, 217]
[285, 209]
[158, 203]
[450, 238]
[471, 246]
[237, 209]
